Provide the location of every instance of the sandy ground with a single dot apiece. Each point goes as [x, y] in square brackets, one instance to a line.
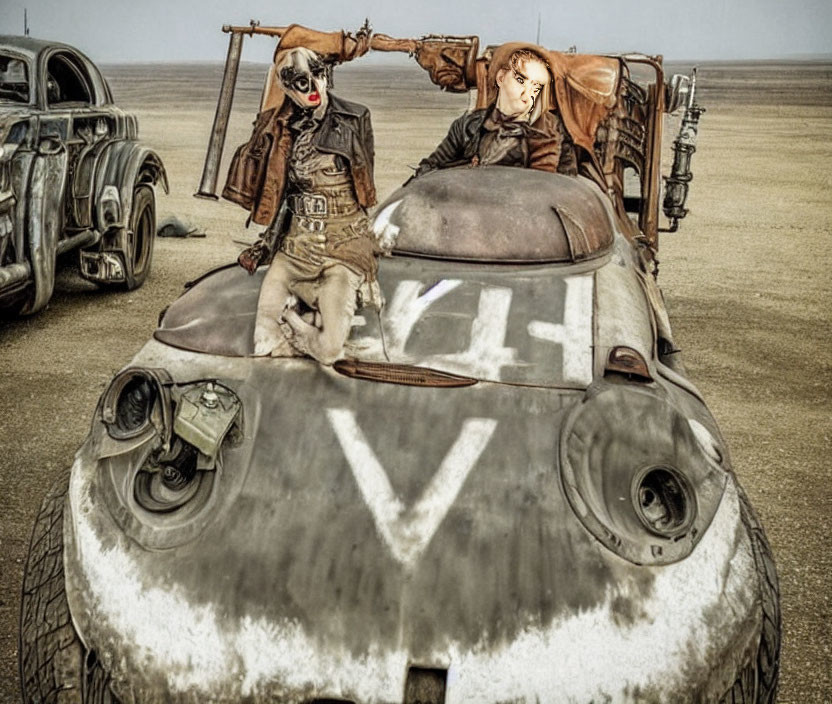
[746, 280]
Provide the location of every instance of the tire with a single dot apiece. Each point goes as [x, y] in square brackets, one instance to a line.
[55, 667]
[140, 237]
[757, 683]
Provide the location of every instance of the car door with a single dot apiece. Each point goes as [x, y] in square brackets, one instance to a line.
[77, 99]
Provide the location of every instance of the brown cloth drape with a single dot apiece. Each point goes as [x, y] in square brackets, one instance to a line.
[585, 87]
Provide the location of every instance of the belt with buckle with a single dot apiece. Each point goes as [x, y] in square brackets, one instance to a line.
[307, 204]
[341, 203]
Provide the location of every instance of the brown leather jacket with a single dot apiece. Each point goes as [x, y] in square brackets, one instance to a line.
[257, 175]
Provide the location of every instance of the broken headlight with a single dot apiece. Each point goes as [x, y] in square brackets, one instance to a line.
[131, 401]
[664, 501]
[181, 470]
[169, 480]
[164, 452]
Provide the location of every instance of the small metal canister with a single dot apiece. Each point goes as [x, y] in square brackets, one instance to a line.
[204, 415]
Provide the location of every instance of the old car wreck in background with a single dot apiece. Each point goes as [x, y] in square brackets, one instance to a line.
[72, 176]
[506, 489]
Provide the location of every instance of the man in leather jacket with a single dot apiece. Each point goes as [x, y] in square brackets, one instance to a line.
[312, 189]
[518, 128]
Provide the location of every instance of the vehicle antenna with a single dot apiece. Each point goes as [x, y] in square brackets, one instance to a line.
[25, 22]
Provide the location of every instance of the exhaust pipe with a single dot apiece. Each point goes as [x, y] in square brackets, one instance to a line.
[208, 183]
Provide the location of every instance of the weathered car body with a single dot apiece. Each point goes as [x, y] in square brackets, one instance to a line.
[506, 489]
[72, 175]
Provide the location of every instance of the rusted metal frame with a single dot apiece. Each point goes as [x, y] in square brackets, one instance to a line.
[649, 216]
[208, 182]
[684, 146]
[25, 158]
[378, 42]
[45, 223]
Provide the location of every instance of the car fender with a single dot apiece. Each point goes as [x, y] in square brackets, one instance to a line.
[82, 191]
[122, 166]
[45, 223]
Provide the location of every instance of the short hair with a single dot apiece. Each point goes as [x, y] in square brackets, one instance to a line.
[522, 55]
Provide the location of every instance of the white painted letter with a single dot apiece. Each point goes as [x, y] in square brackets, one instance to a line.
[408, 532]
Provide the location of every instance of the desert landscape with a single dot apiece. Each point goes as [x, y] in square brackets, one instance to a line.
[746, 280]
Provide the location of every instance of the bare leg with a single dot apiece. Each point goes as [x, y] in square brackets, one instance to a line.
[274, 297]
[336, 304]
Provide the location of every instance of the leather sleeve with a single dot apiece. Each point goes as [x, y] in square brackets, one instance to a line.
[451, 150]
[568, 161]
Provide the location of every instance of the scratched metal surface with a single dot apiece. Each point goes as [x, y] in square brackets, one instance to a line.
[367, 526]
[523, 324]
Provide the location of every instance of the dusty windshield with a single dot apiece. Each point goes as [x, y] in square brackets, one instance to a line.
[14, 79]
[503, 323]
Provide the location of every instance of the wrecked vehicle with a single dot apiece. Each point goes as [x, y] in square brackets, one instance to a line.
[72, 176]
[505, 490]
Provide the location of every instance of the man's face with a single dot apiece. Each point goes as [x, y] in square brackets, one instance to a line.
[519, 86]
[303, 78]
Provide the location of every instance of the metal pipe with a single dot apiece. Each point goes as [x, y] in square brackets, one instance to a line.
[14, 273]
[81, 239]
[208, 183]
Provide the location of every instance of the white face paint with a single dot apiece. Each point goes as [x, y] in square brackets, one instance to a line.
[302, 75]
[407, 532]
[519, 87]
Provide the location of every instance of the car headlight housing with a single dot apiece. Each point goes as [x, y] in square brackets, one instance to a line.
[130, 402]
[639, 474]
[163, 451]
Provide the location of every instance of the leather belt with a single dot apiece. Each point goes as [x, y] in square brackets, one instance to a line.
[320, 205]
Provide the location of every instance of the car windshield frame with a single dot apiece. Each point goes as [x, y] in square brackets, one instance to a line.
[29, 73]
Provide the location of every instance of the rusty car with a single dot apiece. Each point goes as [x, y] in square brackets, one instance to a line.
[73, 176]
[505, 490]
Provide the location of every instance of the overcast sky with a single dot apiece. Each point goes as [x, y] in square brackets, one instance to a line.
[189, 30]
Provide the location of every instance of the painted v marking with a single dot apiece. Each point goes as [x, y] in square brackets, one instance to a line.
[408, 531]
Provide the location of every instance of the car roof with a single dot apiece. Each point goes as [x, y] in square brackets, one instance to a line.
[32, 47]
[499, 214]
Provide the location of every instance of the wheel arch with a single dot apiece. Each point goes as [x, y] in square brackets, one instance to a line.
[123, 166]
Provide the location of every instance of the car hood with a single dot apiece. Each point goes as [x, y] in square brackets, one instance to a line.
[364, 526]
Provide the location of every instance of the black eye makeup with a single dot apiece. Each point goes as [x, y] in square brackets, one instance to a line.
[294, 80]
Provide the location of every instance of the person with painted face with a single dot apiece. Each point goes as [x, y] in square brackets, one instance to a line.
[318, 177]
[520, 126]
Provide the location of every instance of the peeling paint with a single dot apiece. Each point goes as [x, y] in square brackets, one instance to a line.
[154, 631]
